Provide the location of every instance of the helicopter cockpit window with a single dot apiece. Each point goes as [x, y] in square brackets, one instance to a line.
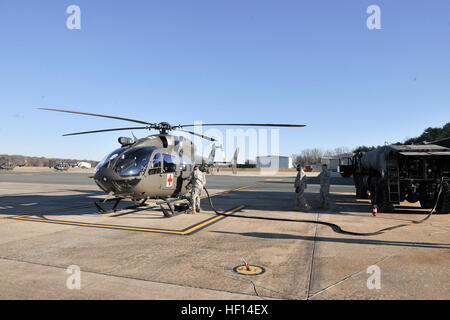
[108, 158]
[134, 161]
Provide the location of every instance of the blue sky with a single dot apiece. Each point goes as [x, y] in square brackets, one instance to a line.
[306, 62]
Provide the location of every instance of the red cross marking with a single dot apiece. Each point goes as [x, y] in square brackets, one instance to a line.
[169, 180]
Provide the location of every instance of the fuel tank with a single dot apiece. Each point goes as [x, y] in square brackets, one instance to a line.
[377, 159]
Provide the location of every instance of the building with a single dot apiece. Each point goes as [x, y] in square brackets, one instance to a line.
[274, 162]
[333, 162]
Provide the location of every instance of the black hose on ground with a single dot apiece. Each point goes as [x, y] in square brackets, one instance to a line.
[333, 226]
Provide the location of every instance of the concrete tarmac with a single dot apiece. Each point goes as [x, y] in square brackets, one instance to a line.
[48, 223]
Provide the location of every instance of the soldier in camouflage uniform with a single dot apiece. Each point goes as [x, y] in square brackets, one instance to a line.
[324, 178]
[197, 182]
[300, 186]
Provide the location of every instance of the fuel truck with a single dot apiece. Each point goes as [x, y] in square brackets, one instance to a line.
[395, 173]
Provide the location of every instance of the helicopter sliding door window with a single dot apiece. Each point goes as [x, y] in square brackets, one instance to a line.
[156, 164]
[169, 164]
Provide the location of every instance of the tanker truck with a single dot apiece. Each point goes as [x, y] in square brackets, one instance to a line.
[395, 173]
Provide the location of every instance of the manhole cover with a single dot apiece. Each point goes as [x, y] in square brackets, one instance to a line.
[251, 271]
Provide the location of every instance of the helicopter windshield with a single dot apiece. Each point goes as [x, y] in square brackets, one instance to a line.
[134, 161]
[108, 158]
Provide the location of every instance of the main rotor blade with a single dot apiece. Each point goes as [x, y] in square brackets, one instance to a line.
[197, 134]
[245, 125]
[104, 130]
[97, 115]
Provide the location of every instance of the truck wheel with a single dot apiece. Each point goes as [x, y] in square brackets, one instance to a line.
[427, 203]
[444, 201]
[346, 174]
[361, 193]
[382, 197]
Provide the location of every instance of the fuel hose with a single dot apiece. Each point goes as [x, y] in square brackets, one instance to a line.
[333, 226]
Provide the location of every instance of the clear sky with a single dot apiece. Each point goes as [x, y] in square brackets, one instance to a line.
[308, 62]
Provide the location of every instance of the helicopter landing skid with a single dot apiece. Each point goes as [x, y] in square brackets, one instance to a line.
[117, 200]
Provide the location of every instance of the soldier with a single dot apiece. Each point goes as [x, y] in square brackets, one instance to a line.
[324, 178]
[197, 182]
[300, 186]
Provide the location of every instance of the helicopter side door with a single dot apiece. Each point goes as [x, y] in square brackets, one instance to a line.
[163, 172]
[154, 176]
[170, 171]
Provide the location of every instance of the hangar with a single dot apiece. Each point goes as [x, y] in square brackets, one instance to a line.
[274, 162]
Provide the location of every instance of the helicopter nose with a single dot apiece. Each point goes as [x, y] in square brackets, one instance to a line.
[103, 178]
[109, 182]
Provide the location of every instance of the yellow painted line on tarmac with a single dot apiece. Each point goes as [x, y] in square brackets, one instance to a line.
[186, 231]
[237, 189]
[111, 226]
[96, 225]
[211, 221]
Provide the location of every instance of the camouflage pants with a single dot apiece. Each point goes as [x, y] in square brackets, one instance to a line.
[195, 198]
[325, 199]
[300, 200]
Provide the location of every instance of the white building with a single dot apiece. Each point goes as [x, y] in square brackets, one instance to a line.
[274, 162]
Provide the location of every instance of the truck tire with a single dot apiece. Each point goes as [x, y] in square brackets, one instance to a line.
[385, 205]
[443, 205]
[379, 195]
[345, 174]
[427, 203]
[364, 193]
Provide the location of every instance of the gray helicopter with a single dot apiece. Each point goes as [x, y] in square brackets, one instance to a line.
[154, 167]
[61, 166]
[7, 166]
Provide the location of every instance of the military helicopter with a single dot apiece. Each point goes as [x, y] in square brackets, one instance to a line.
[61, 166]
[211, 166]
[7, 166]
[154, 167]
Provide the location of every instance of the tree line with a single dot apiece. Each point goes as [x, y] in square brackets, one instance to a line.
[19, 160]
[314, 156]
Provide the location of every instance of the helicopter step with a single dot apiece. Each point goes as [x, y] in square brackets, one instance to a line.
[173, 209]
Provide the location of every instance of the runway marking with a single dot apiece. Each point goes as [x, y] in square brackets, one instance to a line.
[28, 204]
[187, 231]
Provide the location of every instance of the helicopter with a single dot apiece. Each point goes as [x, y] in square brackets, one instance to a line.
[211, 166]
[61, 166]
[155, 167]
[7, 166]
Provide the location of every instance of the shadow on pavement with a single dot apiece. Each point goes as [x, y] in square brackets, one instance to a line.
[264, 235]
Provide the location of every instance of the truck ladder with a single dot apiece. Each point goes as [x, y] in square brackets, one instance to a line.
[393, 184]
